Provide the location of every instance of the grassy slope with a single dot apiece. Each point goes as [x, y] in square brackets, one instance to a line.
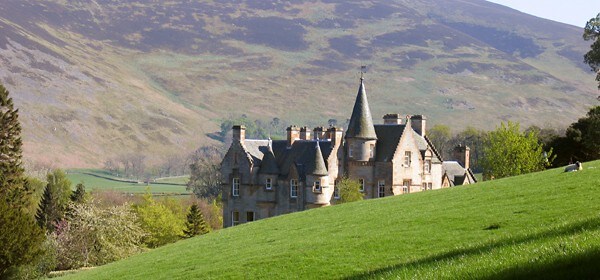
[547, 223]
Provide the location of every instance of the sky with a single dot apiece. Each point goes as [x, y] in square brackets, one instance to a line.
[574, 12]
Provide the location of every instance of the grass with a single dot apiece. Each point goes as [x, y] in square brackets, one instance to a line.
[540, 225]
[169, 186]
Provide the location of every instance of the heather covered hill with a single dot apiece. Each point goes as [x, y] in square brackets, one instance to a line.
[96, 78]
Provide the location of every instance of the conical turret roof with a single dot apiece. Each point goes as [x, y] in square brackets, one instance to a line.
[318, 167]
[269, 164]
[361, 122]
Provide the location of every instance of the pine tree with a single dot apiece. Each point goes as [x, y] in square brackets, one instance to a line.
[195, 225]
[13, 186]
[78, 196]
[49, 211]
[20, 238]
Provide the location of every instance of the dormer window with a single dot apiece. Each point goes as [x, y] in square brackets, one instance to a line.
[372, 151]
[317, 186]
[427, 166]
[407, 159]
[268, 184]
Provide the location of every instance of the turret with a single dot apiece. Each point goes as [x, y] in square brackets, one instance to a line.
[361, 137]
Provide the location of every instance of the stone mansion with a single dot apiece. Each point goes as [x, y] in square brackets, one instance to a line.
[265, 178]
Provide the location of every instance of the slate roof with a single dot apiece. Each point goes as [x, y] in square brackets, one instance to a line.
[309, 156]
[361, 122]
[388, 137]
[269, 163]
[457, 173]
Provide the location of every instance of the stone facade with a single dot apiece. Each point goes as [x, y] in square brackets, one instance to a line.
[264, 178]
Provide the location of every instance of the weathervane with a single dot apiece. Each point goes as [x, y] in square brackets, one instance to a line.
[363, 70]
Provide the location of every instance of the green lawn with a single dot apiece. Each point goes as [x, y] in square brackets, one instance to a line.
[96, 183]
[541, 225]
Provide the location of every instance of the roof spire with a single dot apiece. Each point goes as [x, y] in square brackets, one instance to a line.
[318, 167]
[361, 122]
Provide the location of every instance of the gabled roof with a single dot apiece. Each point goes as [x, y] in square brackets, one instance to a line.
[361, 122]
[388, 137]
[456, 173]
[302, 154]
[269, 164]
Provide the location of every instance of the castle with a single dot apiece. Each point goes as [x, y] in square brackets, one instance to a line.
[265, 178]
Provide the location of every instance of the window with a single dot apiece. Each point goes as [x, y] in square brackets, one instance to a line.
[427, 166]
[235, 187]
[371, 150]
[317, 186]
[381, 188]
[406, 159]
[430, 186]
[424, 187]
[268, 184]
[406, 186]
[249, 216]
[336, 192]
[235, 218]
[362, 185]
[293, 188]
[349, 150]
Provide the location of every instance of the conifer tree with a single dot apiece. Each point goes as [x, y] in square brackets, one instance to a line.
[13, 186]
[78, 196]
[49, 211]
[20, 238]
[195, 224]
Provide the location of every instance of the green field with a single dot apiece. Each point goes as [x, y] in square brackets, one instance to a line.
[171, 186]
[541, 225]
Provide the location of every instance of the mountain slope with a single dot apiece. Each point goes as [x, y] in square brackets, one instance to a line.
[541, 225]
[100, 79]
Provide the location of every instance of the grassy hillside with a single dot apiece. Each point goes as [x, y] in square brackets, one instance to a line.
[544, 225]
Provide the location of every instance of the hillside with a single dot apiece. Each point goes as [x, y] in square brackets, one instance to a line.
[98, 79]
[543, 225]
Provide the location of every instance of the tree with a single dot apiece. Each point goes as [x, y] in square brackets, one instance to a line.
[592, 33]
[93, 235]
[439, 135]
[581, 141]
[20, 238]
[79, 195]
[509, 152]
[55, 200]
[205, 172]
[159, 222]
[349, 190]
[195, 224]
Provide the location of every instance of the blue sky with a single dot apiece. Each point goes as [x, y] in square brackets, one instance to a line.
[574, 12]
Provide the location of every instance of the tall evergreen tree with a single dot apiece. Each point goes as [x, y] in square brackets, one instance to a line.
[195, 224]
[78, 196]
[49, 211]
[20, 238]
[13, 186]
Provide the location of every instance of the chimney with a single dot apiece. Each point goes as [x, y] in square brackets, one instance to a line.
[462, 154]
[418, 124]
[335, 135]
[319, 133]
[392, 119]
[293, 134]
[304, 133]
[239, 133]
